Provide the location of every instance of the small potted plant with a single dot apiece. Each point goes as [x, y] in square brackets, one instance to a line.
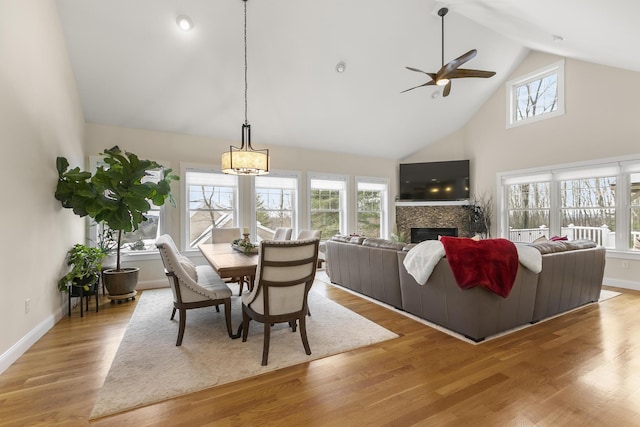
[86, 264]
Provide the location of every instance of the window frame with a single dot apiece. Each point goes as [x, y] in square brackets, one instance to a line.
[620, 167]
[93, 228]
[343, 197]
[512, 85]
[184, 209]
[384, 203]
[295, 217]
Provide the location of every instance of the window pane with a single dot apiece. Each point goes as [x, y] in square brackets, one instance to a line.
[327, 222]
[369, 213]
[274, 206]
[529, 208]
[588, 209]
[537, 97]
[634, 201]
[211, 204]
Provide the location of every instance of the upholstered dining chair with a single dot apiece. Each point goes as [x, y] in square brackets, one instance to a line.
[284, 276]
[282, 233]
[309, 234]
[228, 235]
[193, 286]
[225, 234]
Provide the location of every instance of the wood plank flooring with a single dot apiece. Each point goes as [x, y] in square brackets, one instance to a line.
[579, 369]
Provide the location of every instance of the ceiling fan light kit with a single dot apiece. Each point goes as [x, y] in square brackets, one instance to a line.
[244, 160]
[451, 70]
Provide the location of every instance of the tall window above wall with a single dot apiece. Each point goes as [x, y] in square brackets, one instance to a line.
[536, 96]
[276, 204]
[371, 205]
[327, 204]
[211, 202]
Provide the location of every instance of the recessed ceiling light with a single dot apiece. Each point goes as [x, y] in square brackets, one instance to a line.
[341, 67]
[184, 23]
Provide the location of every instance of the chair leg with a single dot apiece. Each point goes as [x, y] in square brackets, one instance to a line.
[96, 299]
[227, 315]
[173, 313]
[293, 325]
[245, 325]
[69, 292]
[217, 308]
[241, 285]
[183, 322]
[303, 334]
[265, 348]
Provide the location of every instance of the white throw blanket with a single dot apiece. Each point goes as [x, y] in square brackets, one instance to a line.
[423, 258]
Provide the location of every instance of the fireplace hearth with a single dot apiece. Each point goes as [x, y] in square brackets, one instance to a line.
[421, 234]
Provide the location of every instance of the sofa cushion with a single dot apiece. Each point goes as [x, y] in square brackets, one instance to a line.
[551, 246]
[383, 244]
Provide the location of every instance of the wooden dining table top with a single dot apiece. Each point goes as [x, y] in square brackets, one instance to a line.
[227, 261]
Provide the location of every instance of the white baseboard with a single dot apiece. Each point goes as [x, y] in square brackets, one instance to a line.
[624, 284]
[25, 343]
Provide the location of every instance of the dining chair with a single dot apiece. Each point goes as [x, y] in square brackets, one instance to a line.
[282, 233]
[284, 276]
[193, 286]
[228, 235]
[225, 234]
[309, 234]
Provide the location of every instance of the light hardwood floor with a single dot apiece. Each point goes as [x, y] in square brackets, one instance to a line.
[579, 369]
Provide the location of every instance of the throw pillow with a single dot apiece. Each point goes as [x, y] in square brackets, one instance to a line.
[541, 239]
[556, 238]
[189, 267]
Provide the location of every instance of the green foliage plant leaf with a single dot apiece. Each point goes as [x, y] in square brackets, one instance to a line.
[114, 195]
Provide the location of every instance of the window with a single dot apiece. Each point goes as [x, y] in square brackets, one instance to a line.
[371, 207]
[599, 202]
[586, 205]
[327, 201]
[211, 201]
[536, 96]
[634, 198]
[276, 202]
[528, 205]
[139, 241]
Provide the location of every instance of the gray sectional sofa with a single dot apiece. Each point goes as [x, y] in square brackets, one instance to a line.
[571, 276]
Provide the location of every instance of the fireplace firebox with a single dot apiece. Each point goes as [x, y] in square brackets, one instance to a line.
[421, 234]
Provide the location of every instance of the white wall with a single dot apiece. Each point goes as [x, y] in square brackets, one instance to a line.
[177, 150]
[40, 118]
[600, 121]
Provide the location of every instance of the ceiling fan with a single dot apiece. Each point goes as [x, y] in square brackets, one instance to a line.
[450, 71]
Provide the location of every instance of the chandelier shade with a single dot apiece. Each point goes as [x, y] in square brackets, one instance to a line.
[244, 160]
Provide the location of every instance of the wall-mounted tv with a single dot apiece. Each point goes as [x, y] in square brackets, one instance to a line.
[435, 181]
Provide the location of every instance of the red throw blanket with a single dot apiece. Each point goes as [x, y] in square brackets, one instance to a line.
[492, 263]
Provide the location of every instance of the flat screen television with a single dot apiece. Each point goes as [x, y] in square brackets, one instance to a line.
[434, 181]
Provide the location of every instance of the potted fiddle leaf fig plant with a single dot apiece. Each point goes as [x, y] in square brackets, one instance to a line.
[118, 196]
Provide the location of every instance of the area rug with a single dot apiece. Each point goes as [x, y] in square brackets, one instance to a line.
[148, 367]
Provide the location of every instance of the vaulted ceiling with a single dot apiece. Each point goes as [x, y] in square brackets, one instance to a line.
[135, 68]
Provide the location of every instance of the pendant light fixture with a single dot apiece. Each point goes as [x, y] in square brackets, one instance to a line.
[244, 160]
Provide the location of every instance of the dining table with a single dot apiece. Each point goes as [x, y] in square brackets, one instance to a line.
[229, 262]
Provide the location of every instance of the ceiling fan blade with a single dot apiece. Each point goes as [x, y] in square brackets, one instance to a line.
[455, 63]
[429, 83]
[432, 75]
[447, 89]
[461, 73]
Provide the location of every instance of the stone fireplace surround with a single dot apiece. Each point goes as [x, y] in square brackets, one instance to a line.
[431, 215]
